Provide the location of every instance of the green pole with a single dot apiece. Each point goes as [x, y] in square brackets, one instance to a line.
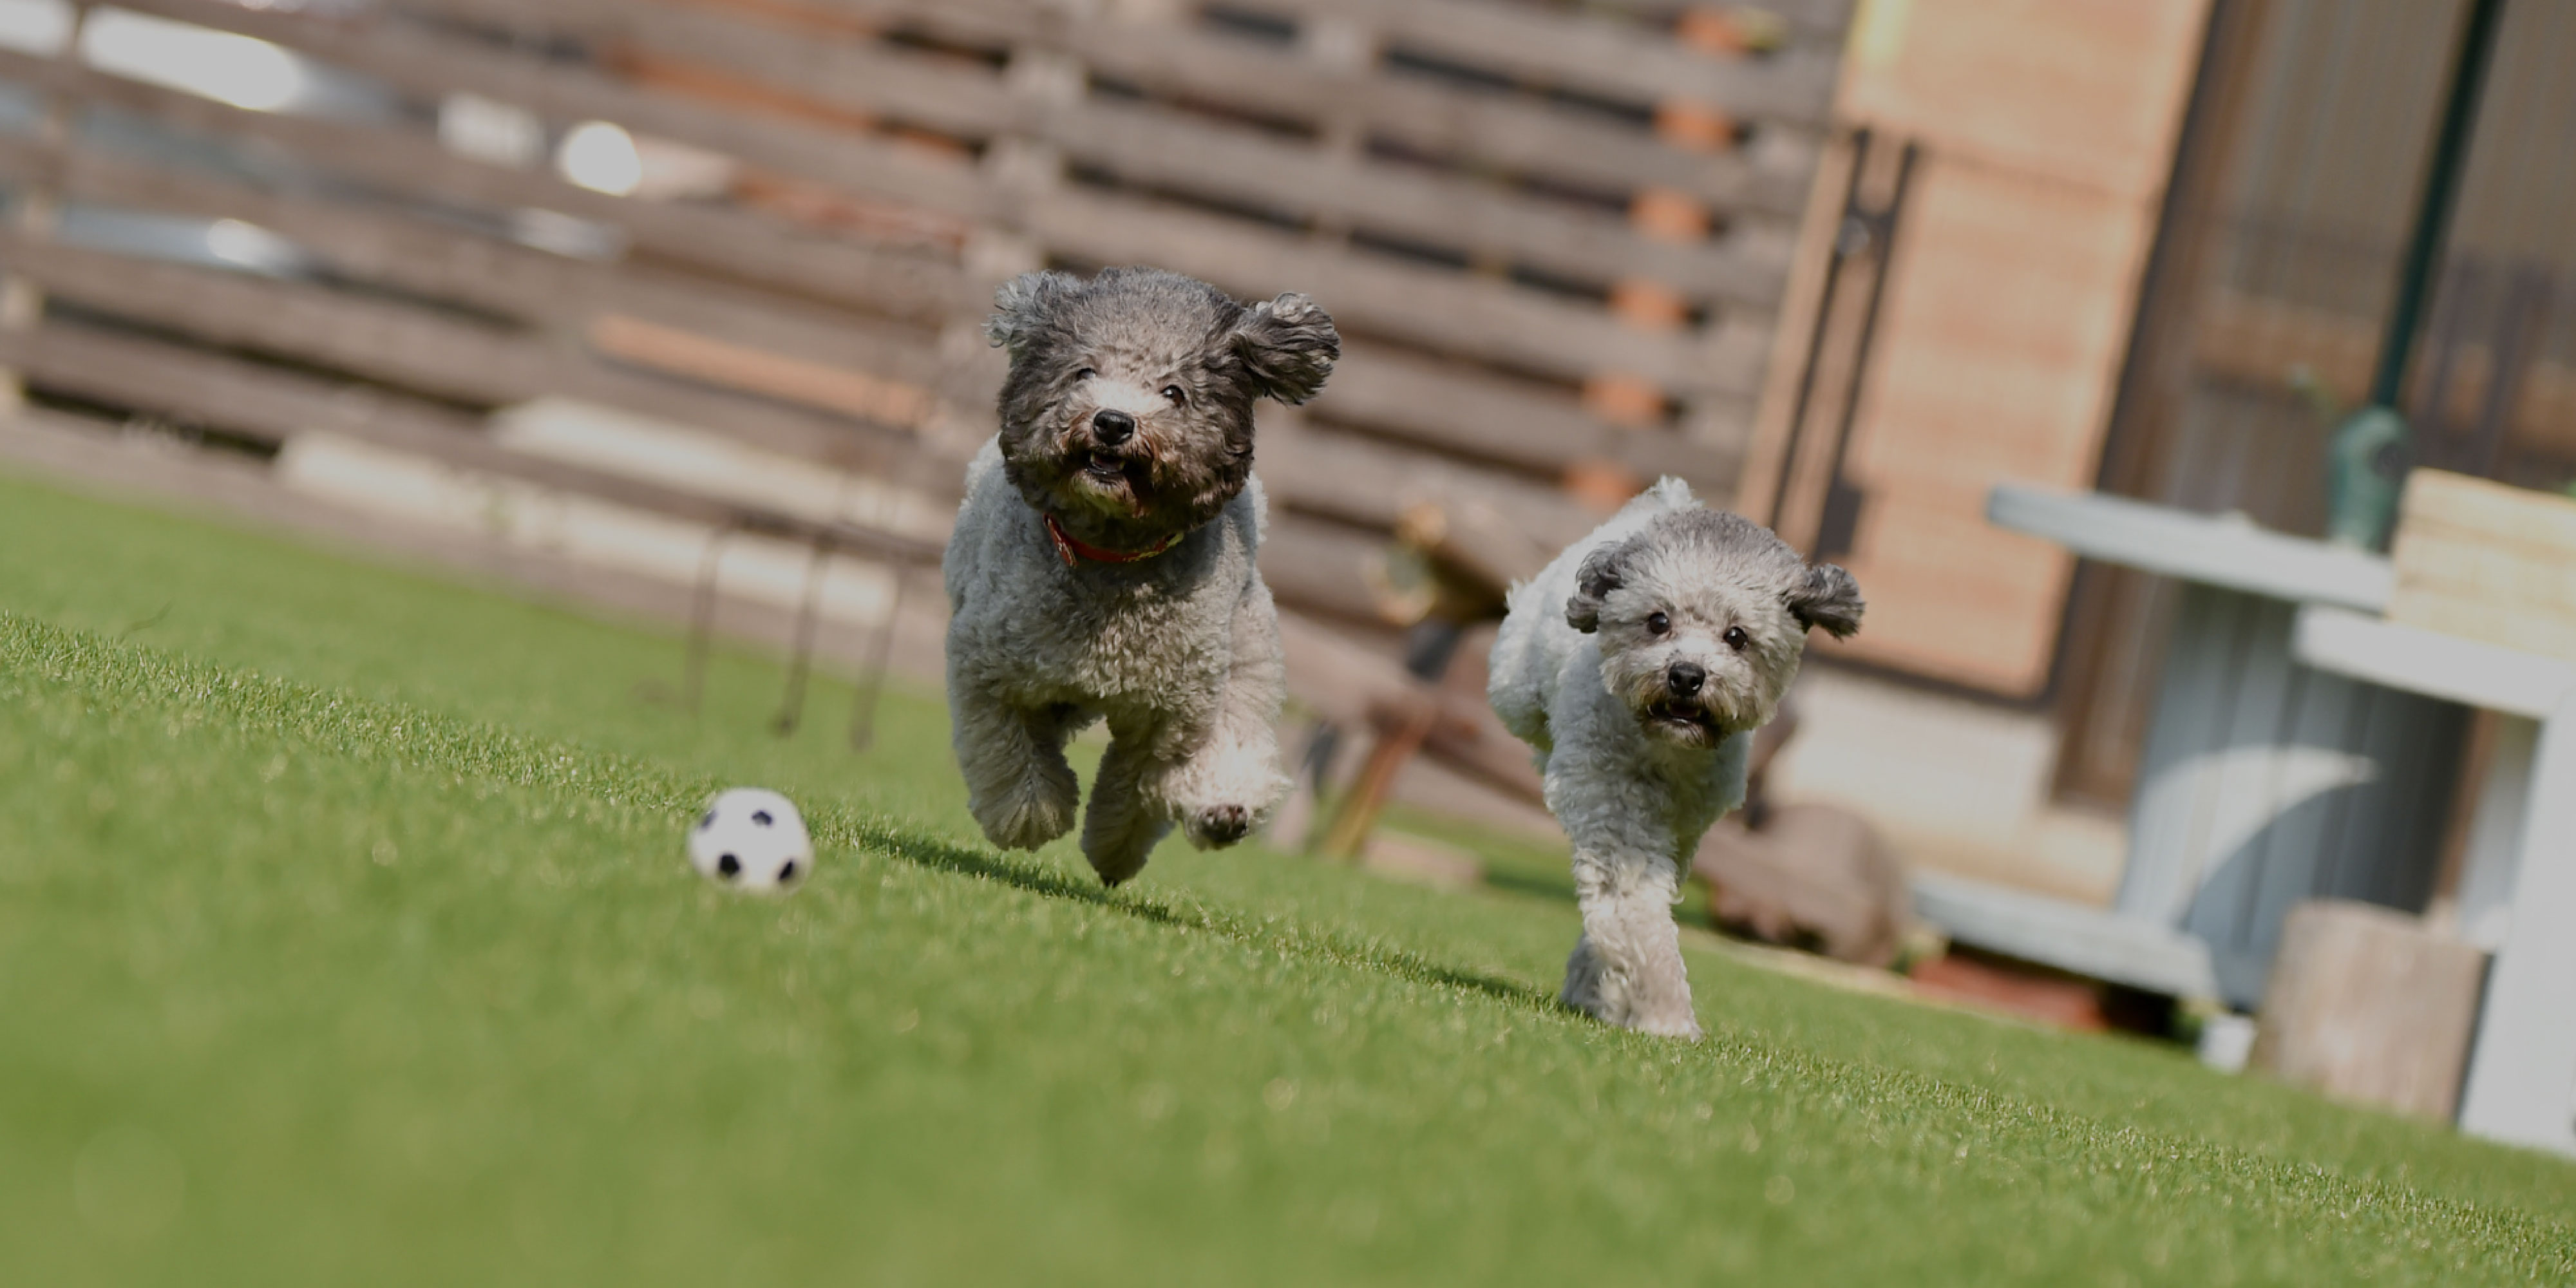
[2365, 457]
[2441, 195]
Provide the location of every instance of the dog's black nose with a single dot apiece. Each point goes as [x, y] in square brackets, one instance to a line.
[1685, 678]
[1112, 427]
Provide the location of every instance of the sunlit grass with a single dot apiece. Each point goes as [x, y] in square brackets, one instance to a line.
[345, 937]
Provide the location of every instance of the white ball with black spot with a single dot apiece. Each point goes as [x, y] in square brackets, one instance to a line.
[751, 838]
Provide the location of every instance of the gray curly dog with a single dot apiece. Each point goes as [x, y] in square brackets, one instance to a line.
[1102, 566]
[1637, 665]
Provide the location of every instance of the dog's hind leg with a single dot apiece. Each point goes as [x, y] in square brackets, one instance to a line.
[1226, 787]
[1121, 827]
[1627, 969]
[1018, 786]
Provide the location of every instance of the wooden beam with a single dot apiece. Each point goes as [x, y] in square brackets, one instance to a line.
[399, 249]
[415, 349]
[1417, 111]
[424, 62]
[1438, 404]
[1355, 481]
[1481, 414]
[275, 404]
[689, 352]
[1438, 308]
[1156, 146]
[1616, 60]
[1479, 318]
[410, 164]
[1319, 568]
[1825, 19]
[1611, 59]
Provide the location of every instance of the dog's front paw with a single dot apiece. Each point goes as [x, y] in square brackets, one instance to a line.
[1028, 828]
[1218, 826]
[1026, 820]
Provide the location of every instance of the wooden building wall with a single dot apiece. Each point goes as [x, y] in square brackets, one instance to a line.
[2047, 130]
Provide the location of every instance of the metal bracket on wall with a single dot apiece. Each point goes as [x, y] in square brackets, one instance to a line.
[1864, 248]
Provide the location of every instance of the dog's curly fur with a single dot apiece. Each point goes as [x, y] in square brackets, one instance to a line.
[1637, 666]
[1126, 420]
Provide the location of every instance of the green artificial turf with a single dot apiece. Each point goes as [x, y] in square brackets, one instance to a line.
[345, 937]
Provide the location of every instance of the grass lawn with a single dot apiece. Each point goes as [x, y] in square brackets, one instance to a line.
[345, 937]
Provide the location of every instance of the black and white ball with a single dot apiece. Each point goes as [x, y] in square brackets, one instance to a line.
[752, 839]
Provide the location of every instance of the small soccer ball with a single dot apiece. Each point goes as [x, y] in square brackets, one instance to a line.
[752, 839]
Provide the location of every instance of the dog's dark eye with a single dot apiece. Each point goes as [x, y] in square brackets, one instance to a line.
[1179, 397]
[1736, 638]
[1657, 623]
[1085, 374]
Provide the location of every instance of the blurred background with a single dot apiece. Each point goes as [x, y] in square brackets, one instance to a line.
[674, 307]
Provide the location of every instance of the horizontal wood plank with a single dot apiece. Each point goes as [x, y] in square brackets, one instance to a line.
[1156, 146]
[1321, 568]
[385, 246]
[2536, 525]
[199, 387]
[1619, 60]
[1612, 59]
[742, 301]
[1479, 318]
[1370, 484]
[427, 63]
[1826, 18]
[1481, 415]
[1527, 425]
[1514, 133]
[2484, 560]
[1481, 128]
[900, 284]
[1464, 315]
[415, 349]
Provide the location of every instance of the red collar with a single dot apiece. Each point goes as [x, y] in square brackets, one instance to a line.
[1072, 550]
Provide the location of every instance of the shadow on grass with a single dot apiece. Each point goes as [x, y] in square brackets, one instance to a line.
[931, 852]
[1557, 888]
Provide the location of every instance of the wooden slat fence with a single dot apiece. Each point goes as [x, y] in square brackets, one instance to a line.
[1556, 236]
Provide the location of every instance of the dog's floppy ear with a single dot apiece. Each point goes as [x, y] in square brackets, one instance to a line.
[1826, 596]
[1021, 305]
[1603, 571]
[1287, 346]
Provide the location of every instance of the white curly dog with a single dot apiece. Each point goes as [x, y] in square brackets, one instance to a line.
[1102, 566]
[1637, 665]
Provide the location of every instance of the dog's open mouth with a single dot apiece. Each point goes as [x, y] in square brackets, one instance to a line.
[1101, 467]
[1689, 721]
[1102, 470]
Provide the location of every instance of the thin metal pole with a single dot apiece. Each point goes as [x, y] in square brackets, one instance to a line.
[791, 711]
[2441, 194]
[863, 709]
[702, 620]
[1840, 515]
[1830, 287]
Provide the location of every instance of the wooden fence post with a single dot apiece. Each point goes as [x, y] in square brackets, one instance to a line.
[39, 212]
